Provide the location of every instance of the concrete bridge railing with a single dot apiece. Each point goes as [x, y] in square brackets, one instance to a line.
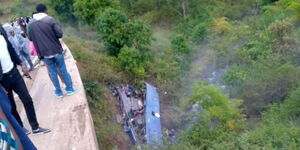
[69, 118]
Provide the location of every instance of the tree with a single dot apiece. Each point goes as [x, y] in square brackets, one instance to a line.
[139, 34]
[220, 121]
[111, 26]
[65, 10]
[283, 41]
[117, 31]
[131, 61]
[88, 10]
[180, 45]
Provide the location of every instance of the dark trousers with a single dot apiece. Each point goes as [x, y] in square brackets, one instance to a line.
[13, 81]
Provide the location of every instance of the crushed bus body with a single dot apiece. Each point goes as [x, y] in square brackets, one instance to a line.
[139, 113]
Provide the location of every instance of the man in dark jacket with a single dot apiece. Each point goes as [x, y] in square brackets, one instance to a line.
[45, 34]
[12, 80]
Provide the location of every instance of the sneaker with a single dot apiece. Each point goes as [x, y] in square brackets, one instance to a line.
[41, 131]
[59, 95]
[71, 92]
[26, 131]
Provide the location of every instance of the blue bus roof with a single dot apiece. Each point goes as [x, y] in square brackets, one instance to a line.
[153, 124]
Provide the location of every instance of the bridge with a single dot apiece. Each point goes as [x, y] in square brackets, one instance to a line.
[69, 118]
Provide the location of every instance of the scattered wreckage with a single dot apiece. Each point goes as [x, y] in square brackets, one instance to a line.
[140, 113]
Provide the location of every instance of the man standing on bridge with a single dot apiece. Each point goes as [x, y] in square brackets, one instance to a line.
[45, 33]
[11, 80]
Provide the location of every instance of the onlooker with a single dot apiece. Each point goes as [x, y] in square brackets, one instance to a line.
[19, 140]
[22, 24]
[20, 45]
[45, 34]
[13, 81]
[32, 49]
[16, 26]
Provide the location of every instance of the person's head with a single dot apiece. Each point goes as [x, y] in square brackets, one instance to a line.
[11, 32]
[41, 8]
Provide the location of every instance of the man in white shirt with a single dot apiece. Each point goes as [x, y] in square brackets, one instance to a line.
[12, 80]
[5, 59]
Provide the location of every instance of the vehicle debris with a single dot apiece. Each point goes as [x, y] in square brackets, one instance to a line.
[140, 113]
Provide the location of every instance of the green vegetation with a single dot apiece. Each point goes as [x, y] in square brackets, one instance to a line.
[131, 61]
[221, 120]
[127, 40]
[117, 31]
[261, 54]
[1, 11]
[19, 8]
[256, 42]
[221, 125]
[65, 10]
[89, 10]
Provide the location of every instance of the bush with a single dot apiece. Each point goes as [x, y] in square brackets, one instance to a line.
[254, 51]
[139, 35]
[279, 129]
[117, 31]
[235, 76]
[111, 26]
[280, 125]
[221, 26]
[180, 45]
[221, 120]
[200, 31]
[65, 10]
[262, 82]
[89, 10]
[283, 42]
[275, 136]
[131, 61]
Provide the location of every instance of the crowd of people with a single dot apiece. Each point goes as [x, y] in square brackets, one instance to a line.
[17, 35]
[21, 40]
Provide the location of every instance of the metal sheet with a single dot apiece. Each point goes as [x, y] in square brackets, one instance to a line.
[153, 124]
